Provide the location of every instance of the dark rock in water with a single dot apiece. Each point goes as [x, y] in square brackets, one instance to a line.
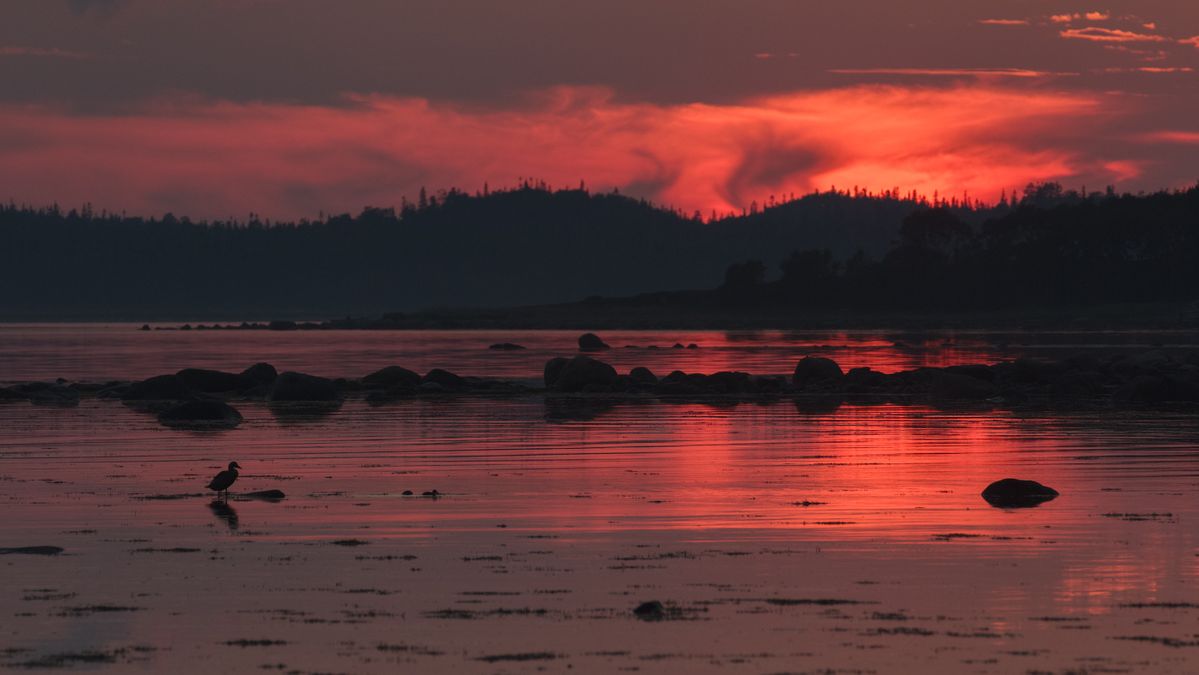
[816, 370]
[407, 493]
[678, 345]
[864, 381]
[432, 388]
[650, 611]
[729, 383]
[283, 325]
[392, 376]
[445, 379]
[642, 375]
[53, 395]
[265, 495]
[7, 395]
[261, 373]
[213, 381]
[583, 373]
[1158, 389]
[201, 413]
[160, 388]
[956, 386]
[506, 347]
[431, 493]
[1012, 493]
[32, 550]
[145, 326]
[553, 370]
[590, 342]
[978, 372]
[1029, 371]
[692, 346]
[291, 386]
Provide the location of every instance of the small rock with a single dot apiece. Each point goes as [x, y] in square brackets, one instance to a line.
[506, 347]
[1016, 493]
[291, 386]
[650, 611]
[590, 342]
[392, 376]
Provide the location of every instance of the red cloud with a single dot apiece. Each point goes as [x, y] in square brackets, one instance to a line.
[1096, 34]
[215, 159]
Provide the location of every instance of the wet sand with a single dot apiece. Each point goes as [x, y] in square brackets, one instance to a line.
[776, 539]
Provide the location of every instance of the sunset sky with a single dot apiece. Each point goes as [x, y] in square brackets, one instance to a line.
[217, 108]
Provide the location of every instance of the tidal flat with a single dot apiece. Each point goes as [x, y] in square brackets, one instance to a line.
[766, 537]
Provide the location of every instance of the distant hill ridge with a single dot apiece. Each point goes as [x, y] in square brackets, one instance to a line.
[523, 246]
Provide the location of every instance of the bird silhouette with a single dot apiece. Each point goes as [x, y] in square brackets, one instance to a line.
[224, 479]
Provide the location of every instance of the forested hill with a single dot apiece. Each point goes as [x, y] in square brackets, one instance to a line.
[522, 246]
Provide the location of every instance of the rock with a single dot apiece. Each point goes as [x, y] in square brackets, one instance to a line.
[393, 376]
[506, 347]
[32, 550]
[1011, 493]
[553, 370]
[816, 370]
[431, 493]
[201, 413]
[290, 386]
[407, 493]
[692, 346]
[590, 342]
[283, 325]
[729, 383]
[444, 378]
[160, 388]
[145, 326]
[213, 381]
[678, 345]
[978, 372]
[261, 373]
[432, 388]
[958, 387]
[583, 373]
[640, 375]
[864, 381]
[48, 394]
[9, 395]
[650, 611]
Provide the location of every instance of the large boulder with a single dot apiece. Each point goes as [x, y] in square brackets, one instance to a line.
[553, 370]
[159, 388]
[816, 370]
[260, 373]
[201, 413]
[213, 381]
[590, 342]
[1011, 493]
[641, 375]
[726, 382]
[583, 373]
[291, 386]
[392, 376]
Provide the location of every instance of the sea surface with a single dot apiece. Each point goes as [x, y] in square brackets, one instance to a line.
[779, 537]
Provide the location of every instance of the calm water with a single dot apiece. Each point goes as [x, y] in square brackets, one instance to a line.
[557, 522]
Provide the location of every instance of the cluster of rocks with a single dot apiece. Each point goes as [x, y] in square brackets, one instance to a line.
[1153, 377]
[196, 397]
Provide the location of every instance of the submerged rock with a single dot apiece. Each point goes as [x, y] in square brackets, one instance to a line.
[265, 495]
[32, 550]
[1016, 493]
[292, 386]
[201, 413]
[590, 342]
[53, 395]
[506, 347]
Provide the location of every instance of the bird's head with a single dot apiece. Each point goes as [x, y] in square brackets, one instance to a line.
[234, 465]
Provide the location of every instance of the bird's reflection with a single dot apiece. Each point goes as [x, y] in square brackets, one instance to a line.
[223, 511]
